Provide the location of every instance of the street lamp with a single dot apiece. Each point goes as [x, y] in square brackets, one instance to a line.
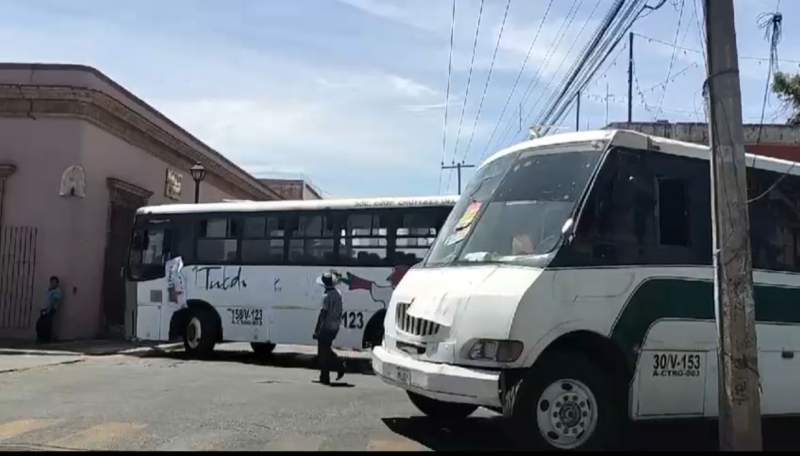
[198, 173]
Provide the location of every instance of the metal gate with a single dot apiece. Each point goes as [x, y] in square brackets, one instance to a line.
[17, 272]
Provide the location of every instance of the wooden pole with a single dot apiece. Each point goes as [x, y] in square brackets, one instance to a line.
[458, 166]
[739, 401]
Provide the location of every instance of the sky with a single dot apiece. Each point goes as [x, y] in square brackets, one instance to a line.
[352, 94]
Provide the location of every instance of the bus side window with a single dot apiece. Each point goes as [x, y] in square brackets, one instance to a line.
[218, 240]
[311, 240]
[774, 219]
[414, 235]
[363, 239]
[616, 224]
[262, 239]
[673, 212]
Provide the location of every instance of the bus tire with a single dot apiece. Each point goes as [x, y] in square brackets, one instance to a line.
[565, 403]
[200, 334]
[440, 410]
[373, 333]
[263, 349]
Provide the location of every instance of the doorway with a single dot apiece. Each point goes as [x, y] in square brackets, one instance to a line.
[119, 298]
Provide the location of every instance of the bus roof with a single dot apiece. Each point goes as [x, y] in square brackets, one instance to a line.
[637, 140]
[308, 205]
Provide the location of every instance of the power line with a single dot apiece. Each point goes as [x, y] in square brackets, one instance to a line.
[597, 52]
[447, 94]
[666, 43]
[673, 78]
[772, 25]
[536, 79]
[488, 79]
[701, 32]
[672, 59]
[516, 81]
[469, 81]
[585, 86]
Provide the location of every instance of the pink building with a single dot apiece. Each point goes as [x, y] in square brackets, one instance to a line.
[78, 155]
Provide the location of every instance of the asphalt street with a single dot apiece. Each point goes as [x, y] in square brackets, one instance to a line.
[238, 401]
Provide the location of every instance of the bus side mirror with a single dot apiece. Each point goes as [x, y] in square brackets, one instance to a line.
[566, 230]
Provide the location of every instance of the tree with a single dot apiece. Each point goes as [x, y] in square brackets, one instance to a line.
[787, 87]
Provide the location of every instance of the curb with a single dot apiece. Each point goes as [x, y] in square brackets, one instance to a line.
[39, 366]
[88, 353]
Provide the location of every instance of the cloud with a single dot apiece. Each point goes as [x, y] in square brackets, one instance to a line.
[410, 88]
[425, 107]
[422, 15]
[352, 127]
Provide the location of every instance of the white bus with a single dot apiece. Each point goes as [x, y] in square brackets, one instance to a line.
[252, 269]
[571, 288]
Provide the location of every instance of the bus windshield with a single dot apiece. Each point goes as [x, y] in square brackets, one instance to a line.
[514, 209]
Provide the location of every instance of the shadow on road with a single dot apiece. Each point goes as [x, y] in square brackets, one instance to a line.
[487, 433]
[335, 384]
[278, 359]
[476, 433]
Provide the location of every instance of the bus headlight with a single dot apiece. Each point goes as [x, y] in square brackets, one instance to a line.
[505, 351]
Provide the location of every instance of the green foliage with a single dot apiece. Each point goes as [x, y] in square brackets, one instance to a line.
[787, 87]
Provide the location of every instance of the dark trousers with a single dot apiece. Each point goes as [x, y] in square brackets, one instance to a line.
[327, 359]
[44, 326]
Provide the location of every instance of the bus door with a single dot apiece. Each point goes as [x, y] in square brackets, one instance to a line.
[150, 249]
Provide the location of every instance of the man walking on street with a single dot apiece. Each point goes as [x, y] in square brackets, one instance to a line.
[326, 330]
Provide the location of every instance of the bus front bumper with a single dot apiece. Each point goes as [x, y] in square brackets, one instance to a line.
[438, 381]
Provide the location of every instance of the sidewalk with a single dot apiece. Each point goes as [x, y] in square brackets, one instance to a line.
[22, 355]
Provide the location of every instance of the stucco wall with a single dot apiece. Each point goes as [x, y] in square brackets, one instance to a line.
[72, 231]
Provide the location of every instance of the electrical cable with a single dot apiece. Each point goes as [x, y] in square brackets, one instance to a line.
[488, 79]
[447, 95]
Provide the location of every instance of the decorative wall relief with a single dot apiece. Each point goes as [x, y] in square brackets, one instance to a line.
[73, 182]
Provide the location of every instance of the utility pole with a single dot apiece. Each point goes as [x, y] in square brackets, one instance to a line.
[458, 166]
[739, 401]
[607, 96]
[630, 77]
[578, 113]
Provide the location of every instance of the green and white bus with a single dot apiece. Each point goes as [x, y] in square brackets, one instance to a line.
[571, 288]
[251, 269]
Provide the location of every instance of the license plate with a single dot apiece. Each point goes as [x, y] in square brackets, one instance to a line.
[403, 375]
[246, 316]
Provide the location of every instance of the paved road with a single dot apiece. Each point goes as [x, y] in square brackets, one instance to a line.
[237, 401]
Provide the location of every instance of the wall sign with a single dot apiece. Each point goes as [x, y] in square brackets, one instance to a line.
[172, 186]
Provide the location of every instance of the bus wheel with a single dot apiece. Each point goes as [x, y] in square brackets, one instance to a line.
[565, 403]
[440, 410]
[375, 337]
[373, 332]
[262, 348]
[200, 333]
